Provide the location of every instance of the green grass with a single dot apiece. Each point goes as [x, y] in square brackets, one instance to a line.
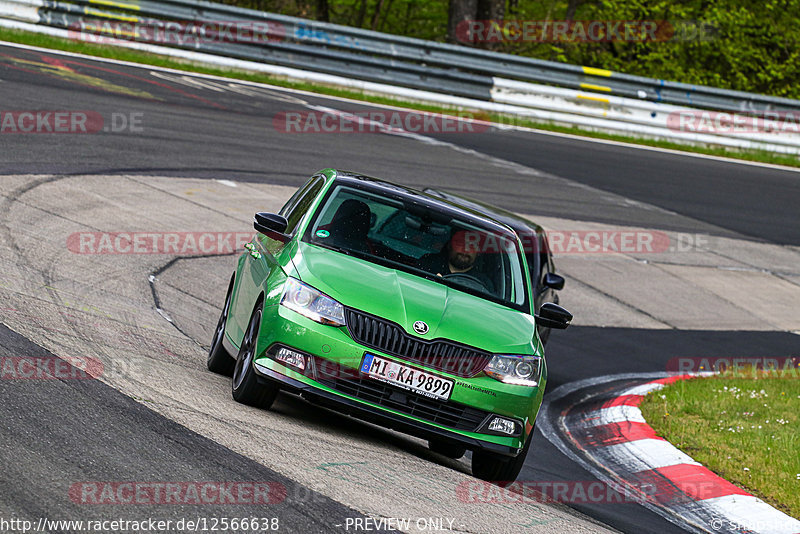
[134, 56]
[744, 429]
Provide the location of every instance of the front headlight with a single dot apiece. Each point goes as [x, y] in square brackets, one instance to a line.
[520, 370]
[310, 303]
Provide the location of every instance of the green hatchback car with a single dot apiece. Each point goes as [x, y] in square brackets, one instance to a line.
[394, 306]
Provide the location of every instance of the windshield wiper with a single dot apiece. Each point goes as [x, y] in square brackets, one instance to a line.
[334, 248]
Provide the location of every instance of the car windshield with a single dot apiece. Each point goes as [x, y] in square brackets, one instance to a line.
[462, 252]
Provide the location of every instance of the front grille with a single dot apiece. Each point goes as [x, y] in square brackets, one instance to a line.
[351, 382]
[388, 337]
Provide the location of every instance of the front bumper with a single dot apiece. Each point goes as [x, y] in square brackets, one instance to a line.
[376, 415]
[457, 421]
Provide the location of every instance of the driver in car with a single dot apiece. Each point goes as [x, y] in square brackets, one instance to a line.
[455, 258]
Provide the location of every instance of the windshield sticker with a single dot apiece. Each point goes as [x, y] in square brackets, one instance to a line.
[323, 233]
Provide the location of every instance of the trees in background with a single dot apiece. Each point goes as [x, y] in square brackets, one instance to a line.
[464, 11]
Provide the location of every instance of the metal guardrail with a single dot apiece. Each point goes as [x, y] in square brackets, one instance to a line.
[301, 44]
[380, 57]
[411, 68]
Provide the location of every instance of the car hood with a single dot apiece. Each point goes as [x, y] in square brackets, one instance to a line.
[404, 298]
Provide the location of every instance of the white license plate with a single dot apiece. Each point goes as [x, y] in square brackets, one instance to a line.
[408, 378]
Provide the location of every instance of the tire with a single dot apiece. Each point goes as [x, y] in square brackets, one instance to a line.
[245, 386]
[219, 360]
[451, 450]
[497, 468]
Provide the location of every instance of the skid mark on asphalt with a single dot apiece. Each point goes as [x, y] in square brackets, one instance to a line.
[55, 68]
[68, 70]
[223, 86]
[325, 466]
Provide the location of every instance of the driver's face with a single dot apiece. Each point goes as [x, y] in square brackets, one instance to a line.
[462, 259]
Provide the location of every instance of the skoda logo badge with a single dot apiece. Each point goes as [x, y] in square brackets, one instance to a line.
[421, 327]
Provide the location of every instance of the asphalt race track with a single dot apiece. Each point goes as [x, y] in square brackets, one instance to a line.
[60, 454]
[203, 156]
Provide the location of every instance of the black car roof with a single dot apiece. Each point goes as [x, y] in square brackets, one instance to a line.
[519, 224]
[423, 197]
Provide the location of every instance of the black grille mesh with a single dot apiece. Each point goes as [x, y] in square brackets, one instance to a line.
[388, 337]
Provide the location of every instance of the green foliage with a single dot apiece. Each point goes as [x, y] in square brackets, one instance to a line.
[425, 19]
[748, 45]
[751, 45]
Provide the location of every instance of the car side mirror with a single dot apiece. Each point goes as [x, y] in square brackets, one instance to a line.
[271, 225]
[553, 281]
[553, 316]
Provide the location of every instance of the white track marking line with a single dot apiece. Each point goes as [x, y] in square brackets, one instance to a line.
[606, 416]
[646, 454]
[643, 390]
[386, 106]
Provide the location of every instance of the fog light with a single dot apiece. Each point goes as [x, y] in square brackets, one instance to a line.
[505, 426]
[292, 358]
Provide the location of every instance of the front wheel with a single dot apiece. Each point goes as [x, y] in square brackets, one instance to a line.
[244, 384]
[497, 468]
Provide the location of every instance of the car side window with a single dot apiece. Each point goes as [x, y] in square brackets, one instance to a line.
[296, 196]
[298, 205]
